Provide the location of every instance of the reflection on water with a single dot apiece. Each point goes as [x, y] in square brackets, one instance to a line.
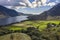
[10, 20]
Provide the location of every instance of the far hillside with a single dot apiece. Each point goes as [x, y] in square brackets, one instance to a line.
[52, 14]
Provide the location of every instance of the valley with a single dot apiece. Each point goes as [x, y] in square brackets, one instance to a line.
[41, 27]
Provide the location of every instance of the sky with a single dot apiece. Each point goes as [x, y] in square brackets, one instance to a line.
[29, 6]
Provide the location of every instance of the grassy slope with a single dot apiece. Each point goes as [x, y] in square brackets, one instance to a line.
[42, 24]
[16, 36]
[23, 25]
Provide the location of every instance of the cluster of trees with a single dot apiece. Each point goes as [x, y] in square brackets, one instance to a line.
[34, 33]
[6, 31]
[52, 25]
[52, 32]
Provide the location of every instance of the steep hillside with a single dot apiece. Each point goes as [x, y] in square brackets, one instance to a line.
[52, 14]
[2, 15]
[8, 12]
[55, 11]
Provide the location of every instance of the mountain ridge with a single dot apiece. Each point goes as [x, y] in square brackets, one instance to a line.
[8, 12]
[52, 14]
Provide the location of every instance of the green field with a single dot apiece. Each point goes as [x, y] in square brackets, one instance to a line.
[51, 33]
[41, 24]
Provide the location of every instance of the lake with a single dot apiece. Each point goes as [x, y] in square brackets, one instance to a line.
[10, 20]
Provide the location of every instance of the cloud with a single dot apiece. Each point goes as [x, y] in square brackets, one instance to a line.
[9, 7]
[51, 4]
[57, 1]
[43, 1]
[22, 3]
[16, 4]
[38, 3]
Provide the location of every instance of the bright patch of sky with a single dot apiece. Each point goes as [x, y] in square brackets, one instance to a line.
[34, 10]
[31, 1]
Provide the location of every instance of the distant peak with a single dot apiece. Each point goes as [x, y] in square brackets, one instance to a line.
[58, 4]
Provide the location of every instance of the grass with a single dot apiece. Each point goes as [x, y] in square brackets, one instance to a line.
[41, 24]
[16, 36]
[23, 25]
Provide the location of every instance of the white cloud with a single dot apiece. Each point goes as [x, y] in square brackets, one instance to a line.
[57, 1]
[21, 3]
[51, 4]
[34, 4]
[9, 7]
[9, 0]
[26, 3]
[38, 3]
[43, 1]
[18, 7]
[15, 3]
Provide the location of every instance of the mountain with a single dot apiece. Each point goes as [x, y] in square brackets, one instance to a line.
[55, 11]
[8, 12]
[25, 14]
[9, 16]
[51, 14]
[2, 15]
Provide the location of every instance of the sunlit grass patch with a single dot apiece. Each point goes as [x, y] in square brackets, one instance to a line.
[23, 25]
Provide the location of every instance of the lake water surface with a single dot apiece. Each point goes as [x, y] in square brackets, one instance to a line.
[6, 21]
